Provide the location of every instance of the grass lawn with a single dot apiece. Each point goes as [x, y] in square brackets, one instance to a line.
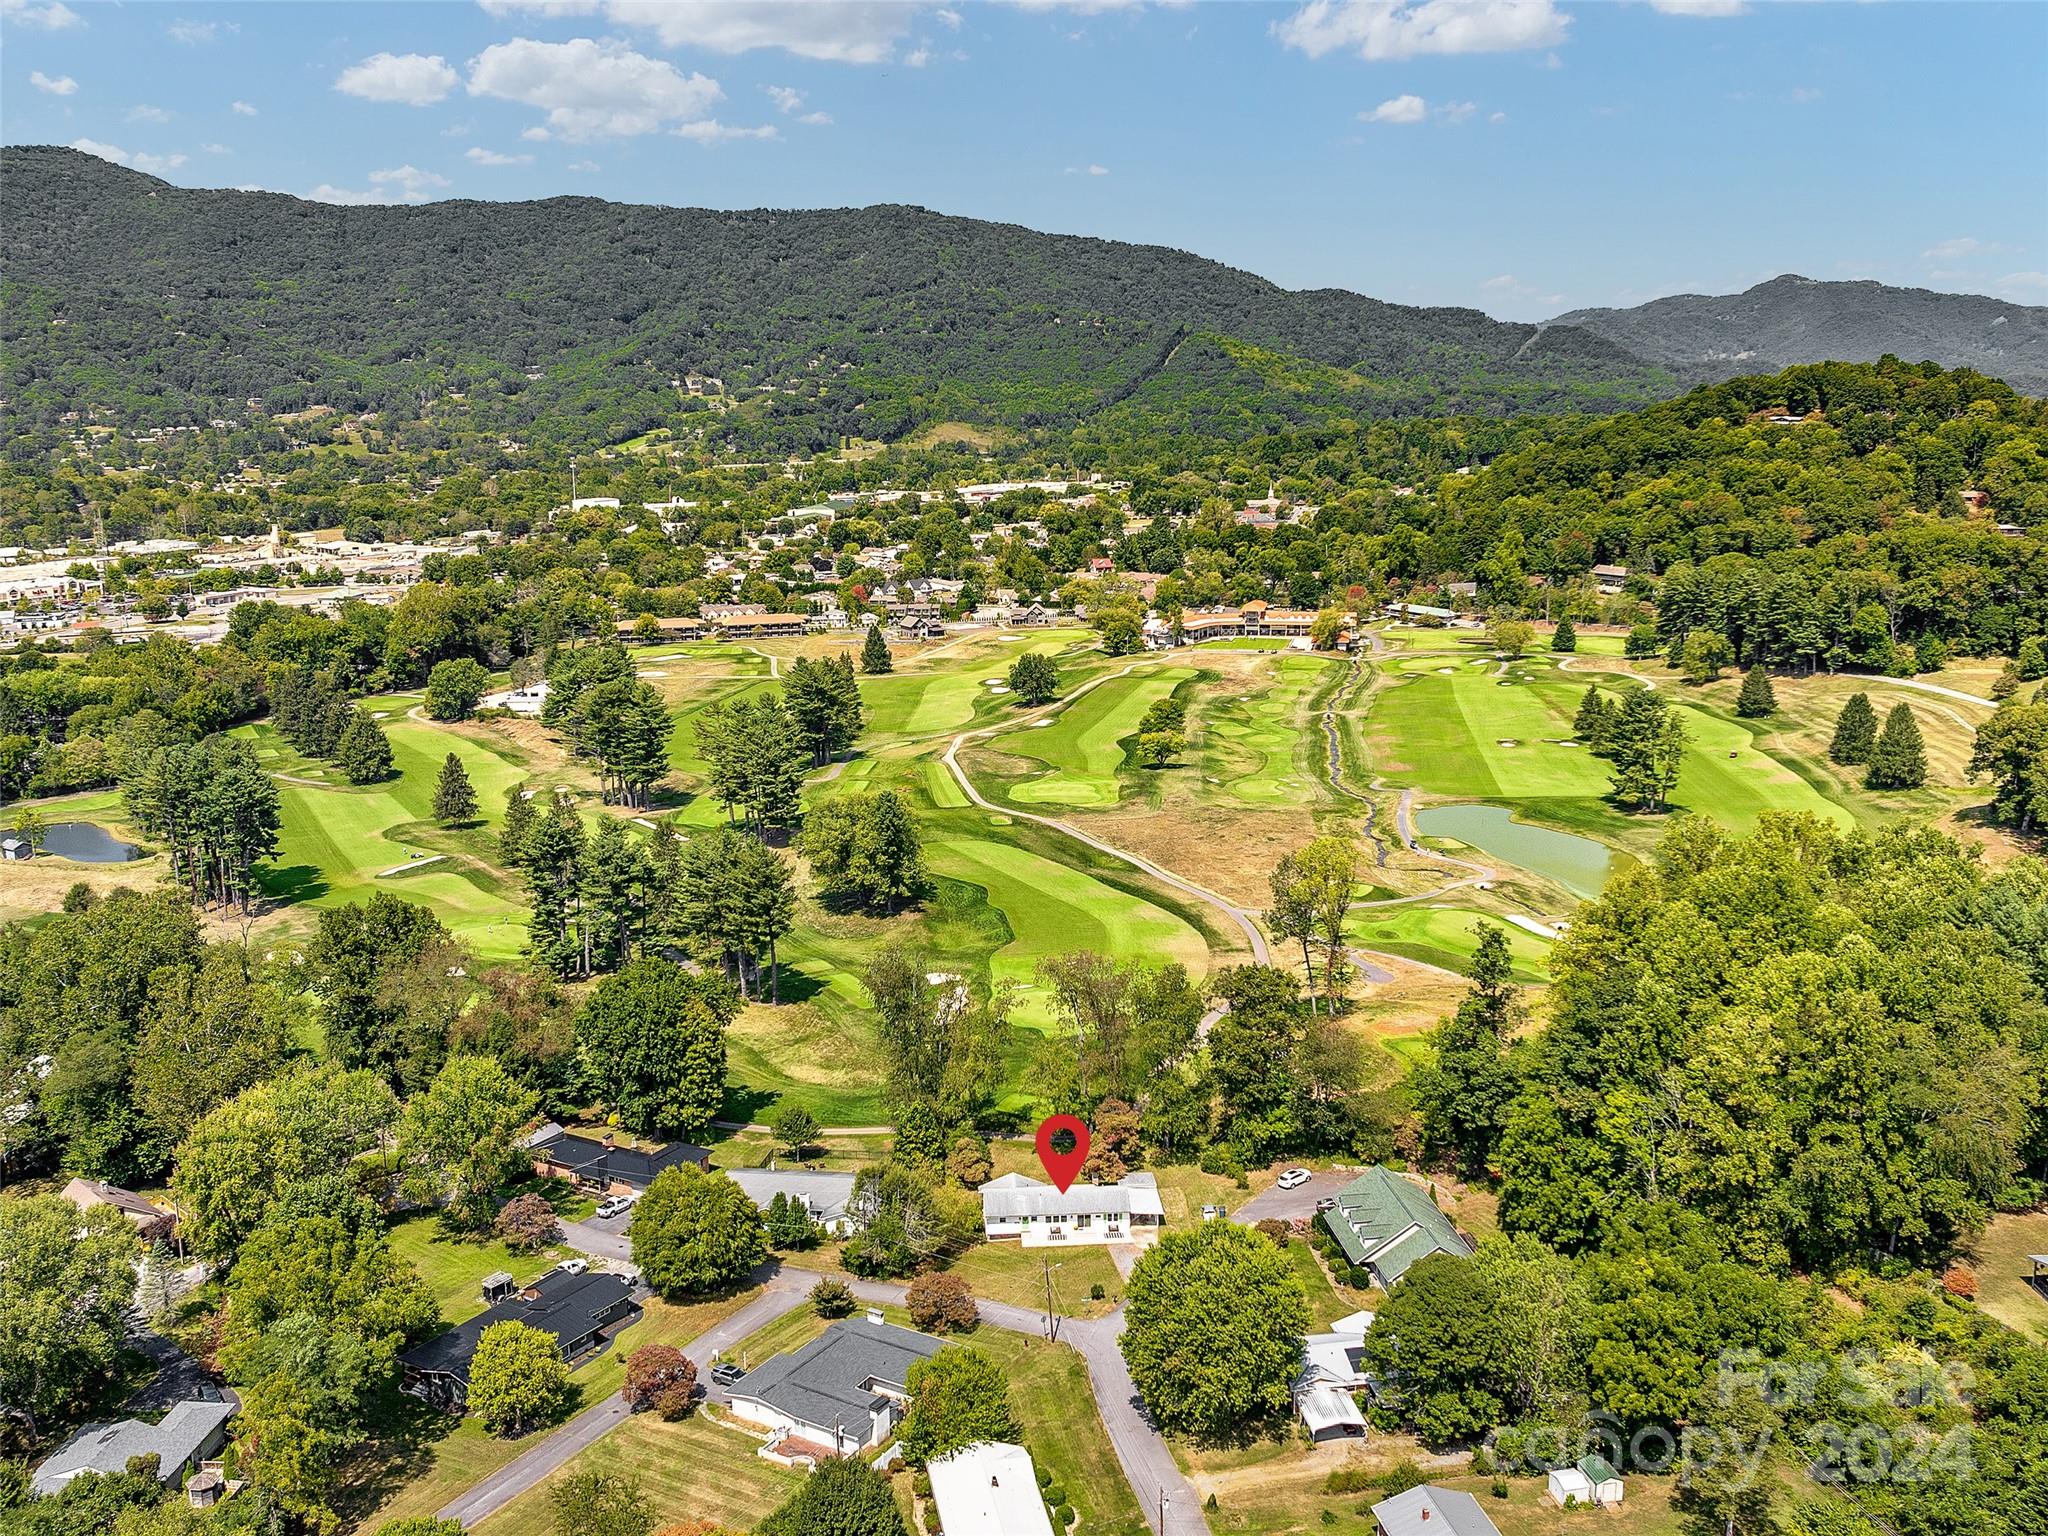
[453, 1269]
[1007, 1272]
[1443, 936]
[2002, 1268]
[1083, 747]
[1258, 748]
[700, 1469]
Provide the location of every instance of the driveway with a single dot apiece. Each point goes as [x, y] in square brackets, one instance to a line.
[1293, 1204]
[601, 1238]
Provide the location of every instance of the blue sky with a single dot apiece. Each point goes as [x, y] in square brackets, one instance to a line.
[1517, 156]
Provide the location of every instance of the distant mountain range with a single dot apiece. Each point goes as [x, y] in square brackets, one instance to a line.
[574, 321]
[1794, 319]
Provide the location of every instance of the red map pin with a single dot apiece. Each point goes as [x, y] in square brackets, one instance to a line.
[1062, 1166]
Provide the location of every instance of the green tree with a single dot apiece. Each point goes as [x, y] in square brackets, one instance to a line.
[824, 700]
[694, 1232]
[517, 1379]
[354, 955]
[1463, 1092]
[959, 1397]
[1647, 747]
[601, 1503]
[843, 1497]
[454, 797]
[1855, 731]
[1121, 624]
[1327, 632]
[866, 851]
[69, 1276]
[308, 1391]
[1899, 760]
[1704, 654]
[208, 1033]
[2012, 746]
[795, 1129]
[362, 752]
[1034, 679]
[1565, 637]
[1158, 749]
[788, 1225]
[458, 1142]
[2032, 659]
[941, 1045]
[652, 1044]
[1510, 636]
[874, 653]
[1451, 1381]
[454, 687]
[1594, 720]
[520, 814]
[1214, 1319]
[1757, 698]
[339, 1272]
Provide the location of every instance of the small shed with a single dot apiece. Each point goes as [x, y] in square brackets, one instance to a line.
[1330, 1413]
[497, 1286]
[1570, 1488]
[1599, 1471]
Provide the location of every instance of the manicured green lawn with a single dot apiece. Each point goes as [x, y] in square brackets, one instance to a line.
[1443, 936]
[1082, 747]
[453, 1268]
[340, 842]
[1010, 1272]
[1261, 747]
[1052, 909]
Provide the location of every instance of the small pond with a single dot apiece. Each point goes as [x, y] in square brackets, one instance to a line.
[85, 843]
[1577, 863]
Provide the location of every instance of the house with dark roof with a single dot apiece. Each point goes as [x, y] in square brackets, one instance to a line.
[582, 1311]
[1432, 1511]
[183, 1438]
[840, 1394]
[602, 1165]
[1384, 1224]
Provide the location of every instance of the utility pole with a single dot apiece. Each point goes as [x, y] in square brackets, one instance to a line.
[1052, 1322]
[1162, 1509]
[572, 482]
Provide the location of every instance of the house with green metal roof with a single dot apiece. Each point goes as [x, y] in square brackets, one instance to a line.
[1385, 1224]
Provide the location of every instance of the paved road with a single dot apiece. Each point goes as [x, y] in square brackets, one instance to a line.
[782, 1293]
[1245, 921]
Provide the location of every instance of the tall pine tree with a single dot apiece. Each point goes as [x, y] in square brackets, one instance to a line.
[454, 796]
[874, 653]
[1758, 698]
[1855, 731]
[1566, 636]
[363, 753]
[1899, 760]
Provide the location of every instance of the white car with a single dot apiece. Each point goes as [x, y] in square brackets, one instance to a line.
[573, 1266]
[615, 1205]
[1294, 1178]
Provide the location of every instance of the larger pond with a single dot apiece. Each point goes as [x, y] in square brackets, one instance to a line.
[1577, 863]
[85, 843]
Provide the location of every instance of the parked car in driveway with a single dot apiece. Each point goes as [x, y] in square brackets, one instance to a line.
[1294, 1178]
[574, 1266]
[725, 1373]
[1327, 1203]
[613, 1205]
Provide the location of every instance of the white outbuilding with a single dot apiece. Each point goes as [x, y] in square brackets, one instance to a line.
[988, 1490]
[1569, 1488]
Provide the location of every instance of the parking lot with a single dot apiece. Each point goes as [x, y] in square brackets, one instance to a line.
[1293, 1204]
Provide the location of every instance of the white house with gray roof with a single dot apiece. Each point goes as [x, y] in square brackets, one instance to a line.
[841, 1393]
[1432, 1511]
[186, 1436]
[1041, 1215]
[823, 1194]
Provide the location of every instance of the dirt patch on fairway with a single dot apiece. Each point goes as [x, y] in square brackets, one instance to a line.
[1229, 851]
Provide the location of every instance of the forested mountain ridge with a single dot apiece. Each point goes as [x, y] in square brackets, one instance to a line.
[1793, 319]
[569, 320]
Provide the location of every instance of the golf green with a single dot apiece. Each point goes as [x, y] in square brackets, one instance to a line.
[1083, 746]
[1254, 743]
[1446, 937]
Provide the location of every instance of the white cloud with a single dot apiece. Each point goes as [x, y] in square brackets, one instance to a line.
[1406, 29]
[138, 161]
[1397, 109]
[1699, 7]
[186, 30]
[412, 79]
[949, 17]
[711, 131]
[592, 90]
[62, 85]
[917, 58]
[1458, 111]
[1498, 117]
[535, 134]
[816, 119]
[54, 17]
[1804, 95]
[400, 184]
[582, 167]
[216, 149]
[1507, 285]
[786, 98]
[242, 109]
[837, 31]
[1960, 246]
[143, 112]
[1087, 170]
[539, 7]
[2030, 282]
[476, 154]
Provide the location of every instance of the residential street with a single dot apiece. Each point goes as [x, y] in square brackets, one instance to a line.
[1148, 1464]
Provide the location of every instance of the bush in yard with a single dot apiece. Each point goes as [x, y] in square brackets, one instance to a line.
[517, 1380]
[941, 1303]
[661, 1376]
[844, 1497]
[527, 1222]
[601, 1503]
[1278, 1230]
[958, 1398]
[832, 1298]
